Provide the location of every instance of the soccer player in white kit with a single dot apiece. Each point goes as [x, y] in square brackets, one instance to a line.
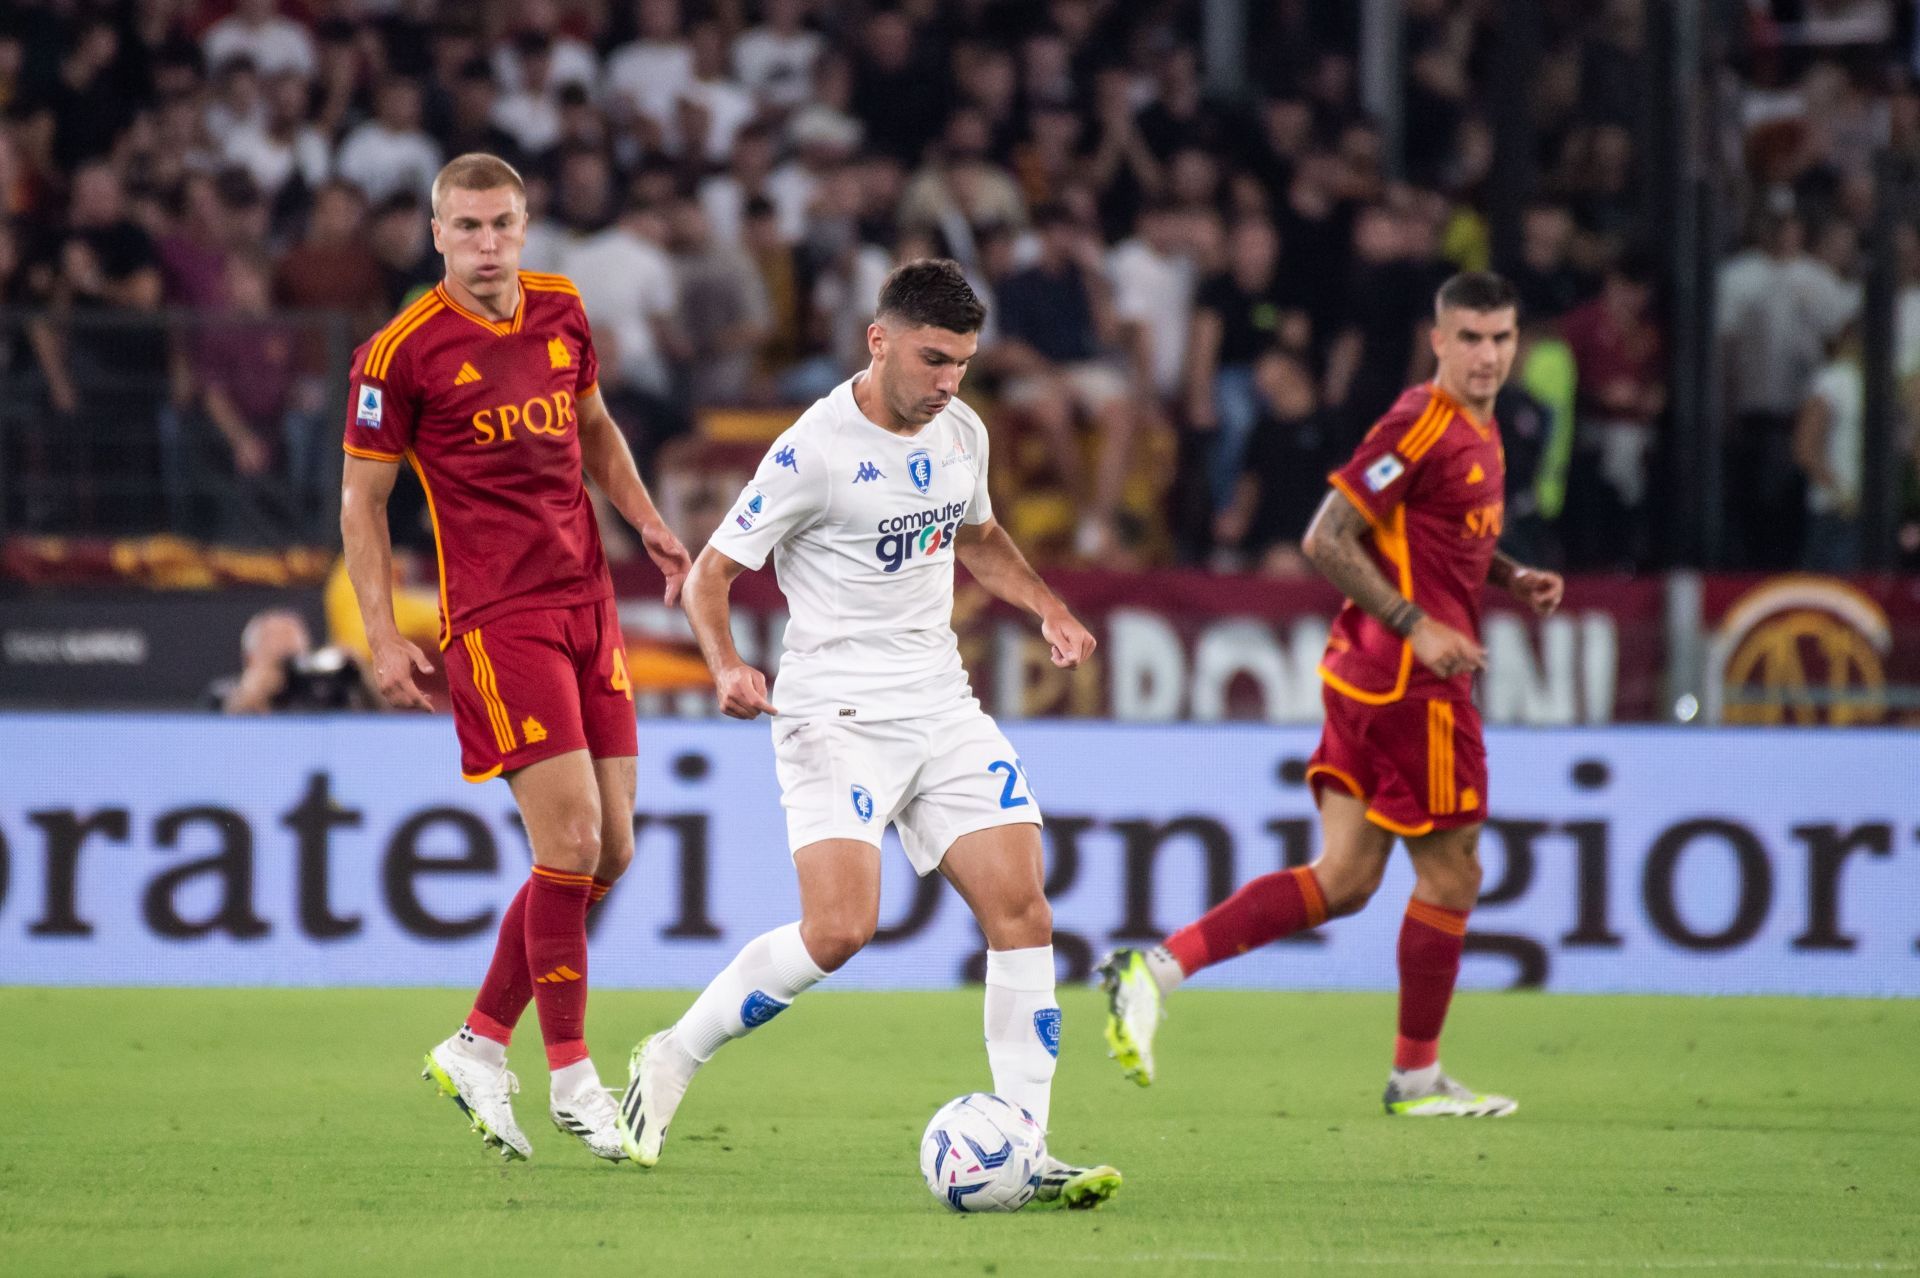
[864, 504]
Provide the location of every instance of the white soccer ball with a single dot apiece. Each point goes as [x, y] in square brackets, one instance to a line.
[982, 1153]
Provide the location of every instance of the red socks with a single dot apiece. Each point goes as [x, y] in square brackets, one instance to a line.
[508, 989]
[1266, 909]
[1431, 938]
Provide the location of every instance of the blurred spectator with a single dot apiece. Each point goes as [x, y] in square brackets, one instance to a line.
[573, 60]
[83, 111]
[714, 107]
[723, 308]
[900, 94]
[282, 672]
[103, 355]
[1778, 307]
[1179, 116]
[1545, 278]
[628, 284]
[787, 280]
[284, 148]
[961, 188]
[775, 59]
[747, 177]
[403, 247]
[256, 31]
[390, 153]
[1388, 307]
[471, 108]
[1153, 291]
[246, 368]
[1827, 443]
[648, 76]
[1283, 472]
[1619, 350]
[1057, 349]
[530, 113]
[238, 102]
[1238, 315]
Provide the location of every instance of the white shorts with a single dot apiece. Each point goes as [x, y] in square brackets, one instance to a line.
[933, 779]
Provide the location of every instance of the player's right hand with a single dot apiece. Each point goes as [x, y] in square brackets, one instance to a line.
[394, 661]
[1444, 650]
[742, 691]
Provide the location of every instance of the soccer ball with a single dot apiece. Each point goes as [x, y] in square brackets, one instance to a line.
[982, 1153]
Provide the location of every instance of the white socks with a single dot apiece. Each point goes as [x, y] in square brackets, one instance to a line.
[1417, 1080]
[1023, 1027]
[480, 1047]
[1164, 968]
[570, 1080]
[764, 977]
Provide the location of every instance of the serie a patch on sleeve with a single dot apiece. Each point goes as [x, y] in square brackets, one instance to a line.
[1384, 472]
[367, 410]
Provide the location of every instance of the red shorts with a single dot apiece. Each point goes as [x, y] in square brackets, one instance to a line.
[1420, 765]
[533, 684]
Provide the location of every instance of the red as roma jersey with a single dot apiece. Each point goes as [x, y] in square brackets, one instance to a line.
[1432, 481]
[487, 414]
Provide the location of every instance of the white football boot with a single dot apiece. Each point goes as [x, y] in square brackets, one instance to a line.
[590, 1114]
[658, 1074]
[484, 1093]
[1444, 1098]
[1135, 1008]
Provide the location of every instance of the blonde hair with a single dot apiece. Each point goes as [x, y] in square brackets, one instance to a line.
[476, 171]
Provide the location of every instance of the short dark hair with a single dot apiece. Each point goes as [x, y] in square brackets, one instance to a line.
[1476, 291]
[932, 293]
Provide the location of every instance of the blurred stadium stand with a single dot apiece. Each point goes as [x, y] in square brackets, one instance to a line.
[1208, 232]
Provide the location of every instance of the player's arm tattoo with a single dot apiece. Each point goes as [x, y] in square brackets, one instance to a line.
[1336, 544]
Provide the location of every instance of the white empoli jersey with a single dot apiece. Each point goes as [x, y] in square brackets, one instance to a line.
[861, 524]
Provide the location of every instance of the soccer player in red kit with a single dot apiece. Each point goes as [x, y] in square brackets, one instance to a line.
[1409, 534]
[486, 387]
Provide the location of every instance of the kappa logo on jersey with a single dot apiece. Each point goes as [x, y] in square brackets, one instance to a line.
[1384, 472]
[558, 354]
[1475, 475]
[467, 375]
[367, 411]
[920, 468]
[785, 458]
[921, 533]
[862, 804]
[867, 471]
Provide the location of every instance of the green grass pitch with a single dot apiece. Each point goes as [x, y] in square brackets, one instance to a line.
[286, 1132]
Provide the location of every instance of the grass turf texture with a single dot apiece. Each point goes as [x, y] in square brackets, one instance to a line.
[253, 1132]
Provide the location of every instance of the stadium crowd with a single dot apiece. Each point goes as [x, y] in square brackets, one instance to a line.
[1196, 307]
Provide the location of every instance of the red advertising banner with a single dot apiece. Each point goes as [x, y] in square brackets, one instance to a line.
[1801, 650]
[1200, 647]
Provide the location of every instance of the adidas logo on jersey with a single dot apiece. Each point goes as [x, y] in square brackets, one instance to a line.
[1475, 475]
[467, 375]
[558, 353]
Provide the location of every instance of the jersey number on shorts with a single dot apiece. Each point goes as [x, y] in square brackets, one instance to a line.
[620, 681]
[1016, 771]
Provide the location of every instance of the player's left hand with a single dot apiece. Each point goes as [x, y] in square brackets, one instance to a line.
[1072, 642]
[668, 555]
[1537, 588]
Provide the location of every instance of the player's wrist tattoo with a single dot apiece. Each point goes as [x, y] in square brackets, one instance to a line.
[1403, 617]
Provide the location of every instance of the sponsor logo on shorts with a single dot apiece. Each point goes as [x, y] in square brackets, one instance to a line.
[367, 409]
[922, 533]
[1046, 1023]
[920, 468]
[862, 804]
[759, 1008]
